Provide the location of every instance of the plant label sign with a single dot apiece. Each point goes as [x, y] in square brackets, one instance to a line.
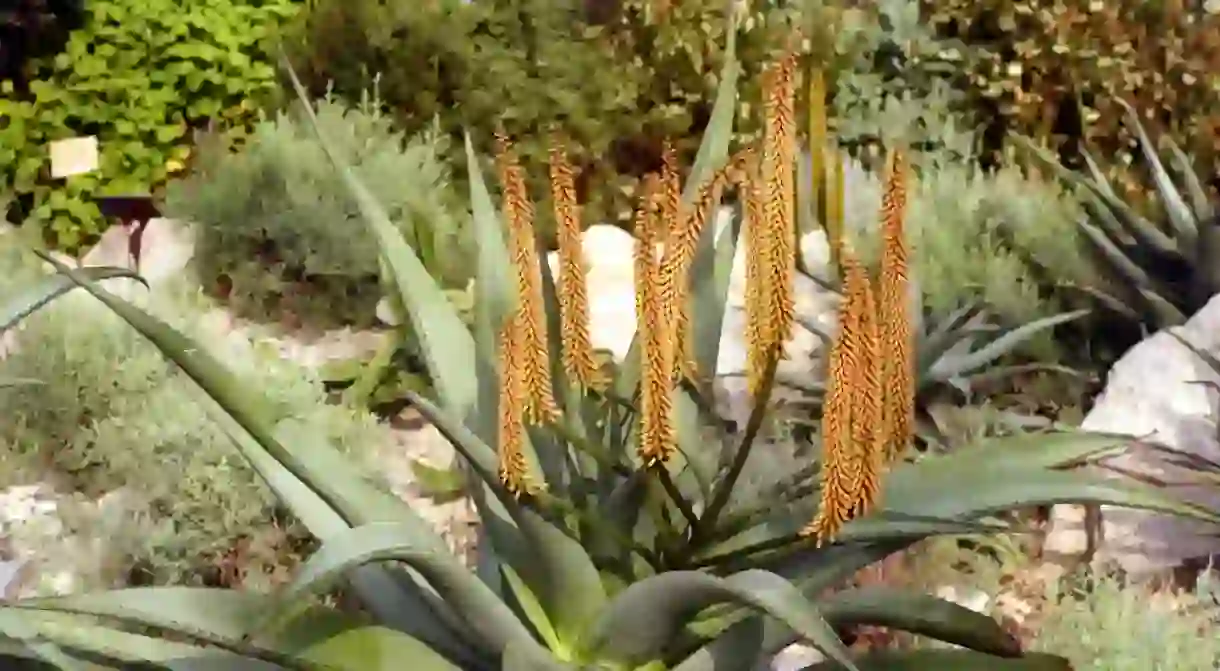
[73, 156]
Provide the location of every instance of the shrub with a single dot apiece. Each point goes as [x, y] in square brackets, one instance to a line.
[276, 227]
[139, 76]
[109, 413]
[892, 81]
[616, 77]
[1054, 69]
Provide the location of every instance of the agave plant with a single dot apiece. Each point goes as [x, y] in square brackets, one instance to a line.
[603, 546]
[1162, 274]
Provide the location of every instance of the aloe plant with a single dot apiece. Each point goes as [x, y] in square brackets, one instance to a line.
[612, 557]
[1162, 274]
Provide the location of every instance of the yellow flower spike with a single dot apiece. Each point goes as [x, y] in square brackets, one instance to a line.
[760, 333]
[680, 255]
[578, 361]
[897, 322]
[843, 457]
[644, 220]
[867, 394]
[540, 405]
[513, 472]
[656, 435]
[779, 176]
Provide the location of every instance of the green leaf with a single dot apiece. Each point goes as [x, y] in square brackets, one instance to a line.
[948, 367]
[444, 341]
[1180, 215]
[737, 648]
[563, 576]
[374, 649]
[478, 607]
[77, 635]
[648, 615]
[950, 660]
[51, 287]
[916, 613]
[710, 290]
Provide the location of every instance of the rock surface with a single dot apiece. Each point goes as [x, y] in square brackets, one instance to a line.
[1159, 391]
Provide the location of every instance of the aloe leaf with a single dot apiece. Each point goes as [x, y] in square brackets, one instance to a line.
[484, 613]
[714, 147]
[812, 572]
[737, 648]
[528, 606]
[644, 618]
[1199, 200]
[621, 510]
[1109, 301]
[444, 341]
[1146, 232]
[564, 578]
[1005, 372]
[1134, 276]
[213, 616]
[995, 493]
[957, 366]
[30, 647]
[918, 613]
[47, 289]
[75, 635]
[494, 297]
[374, 648]
[1167, 314]
[710, 272]
[950, 660]
[394, 597]
[1180, 216]
[522, 658]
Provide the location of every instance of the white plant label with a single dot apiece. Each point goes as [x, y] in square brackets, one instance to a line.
[74, 156]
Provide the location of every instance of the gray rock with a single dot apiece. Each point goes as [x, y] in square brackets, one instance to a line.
[1159, 392]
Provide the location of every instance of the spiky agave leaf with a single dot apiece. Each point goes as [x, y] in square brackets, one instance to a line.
[1167, 274]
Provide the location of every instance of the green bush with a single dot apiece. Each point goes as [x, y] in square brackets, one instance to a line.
[109, 413]
[276, 227]
[140, 76]
[616, 84]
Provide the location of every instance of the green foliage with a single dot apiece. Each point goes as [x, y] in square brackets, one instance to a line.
[616, 82]
[612, 565]
[892, 82]
[109, 414]
[278, 230]
[1112, 625]
[1056, 70]
[139, 76]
